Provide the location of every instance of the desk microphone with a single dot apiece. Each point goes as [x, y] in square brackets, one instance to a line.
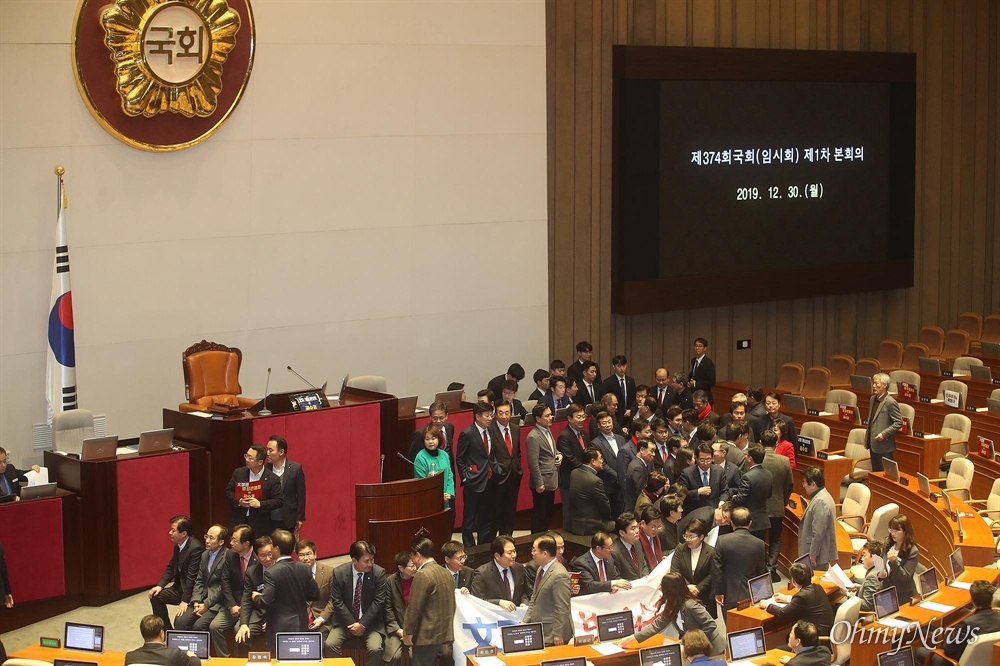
[381, 467]
[266, 411]
[309, 383]
[406, 459]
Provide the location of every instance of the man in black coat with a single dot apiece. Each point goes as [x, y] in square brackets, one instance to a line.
[703, 480]
[571, 443]
[507, 453]
[288, 585]
[11, 477]
[476, 460]
[983, 620]
[439, 417]
[586, 501]
[597, 569]
[251, 621]
[293, 485]
[502, 581]
[741, 556]
[808, 603]
[622, 385]
[208, 600]
[753, 491]
[177, 582]
[254, 492]
[360, 615]
[514, 372]
[154, 651]
[702, 376]
[772, 403]
[804, 641]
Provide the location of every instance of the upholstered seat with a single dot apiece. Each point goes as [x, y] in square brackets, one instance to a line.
[70, 428]
[816, 386]
[212, 377]
[790, 377]
[932, 337]
[841, 369]
[890, 355]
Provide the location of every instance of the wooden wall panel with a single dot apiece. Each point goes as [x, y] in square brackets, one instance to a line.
[957, 177]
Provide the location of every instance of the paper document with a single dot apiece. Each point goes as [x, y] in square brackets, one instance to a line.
[879, 563]
[490, 661]
[204, 415]
[936, 400]
[608, 649]
[835, 456]
[932, 436]
[961, 585]
[38, 478]
[825, 414]
[772, 600]
[898, 624]
[937, 608]
[837, 576]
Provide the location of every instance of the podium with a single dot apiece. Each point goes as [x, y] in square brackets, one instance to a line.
[390, 514]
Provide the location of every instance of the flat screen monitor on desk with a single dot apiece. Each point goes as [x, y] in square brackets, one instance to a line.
[925, 485]
[795, 403]
[38, 492]
[406, 407]
[195, 642]
[153, 441]
[991, 349]
[613, 626]
[664, 655]
[760, 588]
[903, 657]
[72, 662]
[451, 399]
[85, 637]
[957, 563]
[568, 661]
[981, 372]
[805, 560]
[993, 406]
[930, 366]
[928, 582]
[891, 469]
[522, 638]
[746, 644]
[298, 647]
[861, 383]
[100, 448]
[887, 604]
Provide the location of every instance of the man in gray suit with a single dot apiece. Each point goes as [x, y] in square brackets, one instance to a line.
[292, 513]
[818, 527]
[550, 601]
[616, 458]
[884, 421]
[430, 612]
[544, 460]
[358, 594]
[207, 599]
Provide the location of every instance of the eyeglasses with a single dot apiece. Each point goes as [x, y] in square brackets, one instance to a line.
[249, 457]
[462, 558]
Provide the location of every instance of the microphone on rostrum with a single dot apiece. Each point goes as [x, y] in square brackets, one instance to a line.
[266, 411]
[304, 380]
[406, 459]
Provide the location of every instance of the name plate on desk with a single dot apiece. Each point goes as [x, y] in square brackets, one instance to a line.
[924, 399]
[805, 445]
[585, 639]
[742, 604]
[997, 382]
[946, 373]
[812, 412]
[907, 390]
[792, 504]
[918, 434]
[970, 408]
[822, 455]
[259, 656]
[48, 642]
[490, 650]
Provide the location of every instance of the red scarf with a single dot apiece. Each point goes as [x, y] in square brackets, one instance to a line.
[705, 412]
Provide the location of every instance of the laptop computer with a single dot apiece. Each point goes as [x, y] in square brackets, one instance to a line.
[804, 560]
[664, 655]
[568, 661]
[154, 441]
[406, 407]
[928, 583]
[100, 448]
[84, 637]
[957, 563]
[930, 366]
[195, 642]
[981, 372]
[612, 626]
[451, 399]
[924, 483]
[991, 349]
[795, 403]
[861, 383]
[298, 647]
[891, 468]
[993, 406]
[887, 605]
[522, 638]
[38, 492]
[901, 657]
[72, 662]
[746, 644]
[760, 588]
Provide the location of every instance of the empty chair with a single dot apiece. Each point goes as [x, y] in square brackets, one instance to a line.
[368, 383]
[963, 363]
[995, 395]
[818, 432]
[956, 343]
[890, 355]
[991, 514]
[816, 386]
[70, 428]
[956, 427]
[839, 397]
[855, 507]
[877, 529]
[529, 405]
[843, 627]
[958, 483]
[856, 451]
[212, 377]
[790, 378]
[971, 323]
[867, 367]
[907, 412]
[932, 337]
[991, 329]
[953, 385]
[841, 369]
[903, 376]
[912, 355]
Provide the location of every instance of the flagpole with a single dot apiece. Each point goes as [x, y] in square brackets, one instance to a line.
[60, 389]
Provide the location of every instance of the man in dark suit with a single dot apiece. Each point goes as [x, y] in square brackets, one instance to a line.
[983, 620]
[590, 388]
[809, 602]
[680, 391]
[636, 473]
[430, 615]
[507, 453]
[557, 398]
[754, 491]
[395, 606]
[514, 372]
[571, 443]
[293, 485]
[649, 536]
[626, 551]
[803, 639]
[584, 353]
[177, 582]
[358, 594]
[477, 470]
[781, 483]
[502, 581]
[597, 569]
[509, 394]
[586, 502]
[672, 510]
[154, 651]
[251, 622]
[254, 492]
[541, 378]
[703, 480]
[661, 391]
[439, 417]
[320, 610]
[731, 473]
[11, 477]
[621, 384]
[288, 587]
[550, 603]
[207, 599]
[616, 458]
[454, 557]
[702, 370]
[740, 555]
[772, 403]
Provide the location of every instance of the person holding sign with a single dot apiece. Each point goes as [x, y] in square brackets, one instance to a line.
[884, 421]
[254, 492]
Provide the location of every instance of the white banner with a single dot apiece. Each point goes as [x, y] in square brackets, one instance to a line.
[478, 622]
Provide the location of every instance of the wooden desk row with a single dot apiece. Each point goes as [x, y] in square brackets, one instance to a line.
[40, 653]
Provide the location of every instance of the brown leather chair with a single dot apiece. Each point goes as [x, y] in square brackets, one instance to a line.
[841, 369]
[956, 343]
[991, 329]
[890, 355]
[816, 386]
[212, 376]
[912, 355]
[933, 338]
[790, 377]
[866, 367]
[971, 323]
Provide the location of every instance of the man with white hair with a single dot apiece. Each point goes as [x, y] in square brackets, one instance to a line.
[884, 421]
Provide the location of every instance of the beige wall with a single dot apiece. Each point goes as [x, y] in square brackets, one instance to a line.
[375, 205]
[957, 244]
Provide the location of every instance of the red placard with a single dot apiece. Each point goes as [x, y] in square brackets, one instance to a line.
[847, 413]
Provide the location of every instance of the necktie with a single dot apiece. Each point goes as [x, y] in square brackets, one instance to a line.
[635, 557]
[506, 439]
[654, 544]
[444, 438]
[486, 442]
[659, 399]
[696, 362]
[624, 394]
[538, 579]
[4, 486]
[600, 568]
[243, 566]
[506, 584]
[356, 608]
[456, 581]
[590, 390]
[663, 453]
[704, 478]
[579, 438]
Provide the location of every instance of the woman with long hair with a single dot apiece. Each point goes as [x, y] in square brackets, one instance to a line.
[679, 611]
[901, 558]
